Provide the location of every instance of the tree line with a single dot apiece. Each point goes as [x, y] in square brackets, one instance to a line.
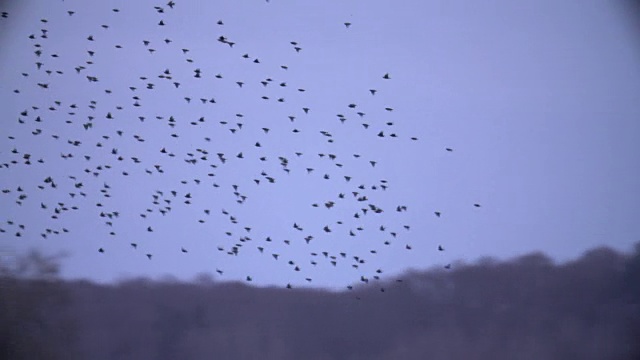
[524, 308]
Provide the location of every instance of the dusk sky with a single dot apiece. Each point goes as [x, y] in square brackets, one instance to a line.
[539, 103]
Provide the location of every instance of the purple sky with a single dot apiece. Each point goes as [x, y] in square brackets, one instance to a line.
[540, 103]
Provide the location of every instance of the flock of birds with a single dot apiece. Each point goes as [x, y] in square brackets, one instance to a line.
[113, 146]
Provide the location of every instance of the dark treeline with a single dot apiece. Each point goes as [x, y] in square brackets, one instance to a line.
[526, 308]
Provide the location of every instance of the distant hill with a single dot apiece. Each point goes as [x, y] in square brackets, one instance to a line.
[526, 308]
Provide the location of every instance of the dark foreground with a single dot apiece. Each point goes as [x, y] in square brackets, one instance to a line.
[527, 308]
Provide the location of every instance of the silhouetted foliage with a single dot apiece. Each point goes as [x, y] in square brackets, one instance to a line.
[35, 312]
[526, 308]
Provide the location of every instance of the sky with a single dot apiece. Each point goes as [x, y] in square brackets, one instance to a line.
[538, 102]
